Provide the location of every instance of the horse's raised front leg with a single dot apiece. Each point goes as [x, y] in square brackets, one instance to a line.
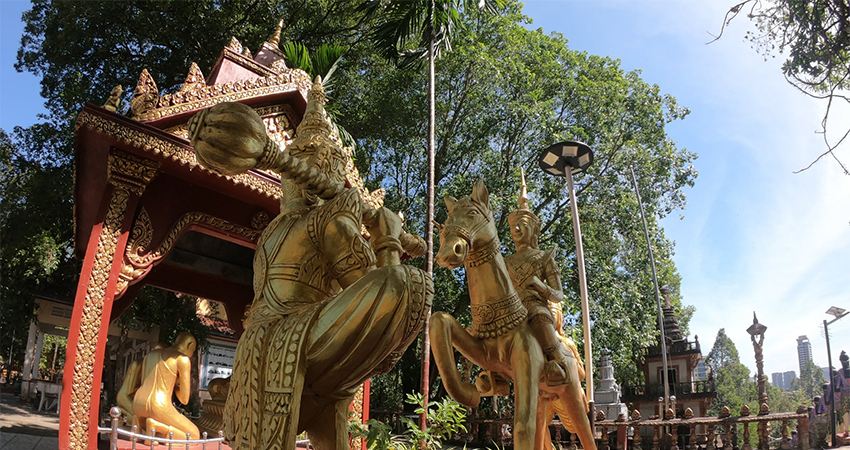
[446, 333]
[541, 437]
[574, 405]
[527, 362]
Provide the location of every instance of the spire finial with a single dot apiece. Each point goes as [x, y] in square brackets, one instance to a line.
[523, 192]
[274, 41]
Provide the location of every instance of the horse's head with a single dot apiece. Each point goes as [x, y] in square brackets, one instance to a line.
[469, 226]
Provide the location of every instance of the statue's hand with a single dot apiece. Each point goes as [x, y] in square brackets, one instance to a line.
[229, 138]
[382, 223]
[539, 286]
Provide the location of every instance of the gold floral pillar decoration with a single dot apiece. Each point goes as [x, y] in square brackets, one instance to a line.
[127, 178]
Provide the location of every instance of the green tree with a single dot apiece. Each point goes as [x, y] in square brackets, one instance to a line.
[811, 380]
[732, 379]
[814, 35]
[503, 93]
[36, 232]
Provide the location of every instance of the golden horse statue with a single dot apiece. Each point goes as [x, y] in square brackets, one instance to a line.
[500, 339]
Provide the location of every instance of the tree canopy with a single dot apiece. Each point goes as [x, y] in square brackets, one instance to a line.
[814, 36]
[503, 93]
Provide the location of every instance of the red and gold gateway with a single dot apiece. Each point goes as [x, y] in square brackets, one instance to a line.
[148, 214]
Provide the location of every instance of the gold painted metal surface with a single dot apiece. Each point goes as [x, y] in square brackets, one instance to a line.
[330, 309]
[166, 371]
[514, 351]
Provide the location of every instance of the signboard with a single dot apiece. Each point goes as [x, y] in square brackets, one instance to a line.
[217, 362]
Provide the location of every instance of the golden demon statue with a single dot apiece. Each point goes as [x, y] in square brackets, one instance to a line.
[501, 338]
[329, 311]
[166, 371]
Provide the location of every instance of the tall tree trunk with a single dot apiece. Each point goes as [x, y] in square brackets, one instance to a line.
[429, 228]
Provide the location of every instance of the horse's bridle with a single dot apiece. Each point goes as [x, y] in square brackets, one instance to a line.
[474, 257]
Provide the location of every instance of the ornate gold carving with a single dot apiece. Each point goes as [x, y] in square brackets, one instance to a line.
[130, 172]
[208, 96]
[158, 146]
[136, 262]
[279, 65]
[90, 322]
[494, 319]
[484, 254]
[135, 249]
[144, 96]
[278, 120]
[194, 80]
[142, 231]
[234, 45]
[260, 220]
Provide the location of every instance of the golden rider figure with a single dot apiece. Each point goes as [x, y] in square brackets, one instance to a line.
[537, 278]
[329, 310]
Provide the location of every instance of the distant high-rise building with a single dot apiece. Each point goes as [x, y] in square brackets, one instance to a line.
[702, 370]
[804, 351]
[783, 380]
[787, 379]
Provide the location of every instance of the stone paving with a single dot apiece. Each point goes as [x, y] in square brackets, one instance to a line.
[24, 428]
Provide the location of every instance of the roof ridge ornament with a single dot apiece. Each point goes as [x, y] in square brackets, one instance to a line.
[274, 41]
[145, 95]
[194, 79]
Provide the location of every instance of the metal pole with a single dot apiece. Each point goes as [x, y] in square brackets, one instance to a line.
[582, 282]
[657, 295]
[424, 385]
[831, 387]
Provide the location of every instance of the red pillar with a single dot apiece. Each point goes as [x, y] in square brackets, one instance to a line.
[79, 411]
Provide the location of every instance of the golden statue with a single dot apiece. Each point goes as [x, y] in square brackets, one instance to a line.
[537, 278]
[166, 371]
[329, 310]
[501, 339]
[127, 391]
[114, 100]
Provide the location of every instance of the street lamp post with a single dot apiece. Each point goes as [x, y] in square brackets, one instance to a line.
[563, 160]
[838, 313]
[663, 340]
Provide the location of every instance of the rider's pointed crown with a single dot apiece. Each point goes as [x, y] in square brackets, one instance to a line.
[524, 211]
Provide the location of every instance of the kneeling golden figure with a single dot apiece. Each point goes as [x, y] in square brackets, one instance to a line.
[166, 371]
[330, 310]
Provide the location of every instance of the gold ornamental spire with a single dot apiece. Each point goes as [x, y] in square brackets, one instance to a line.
[315, 122]
[274, 41]
[523, 192]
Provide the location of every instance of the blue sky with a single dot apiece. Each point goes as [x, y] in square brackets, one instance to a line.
[754, 236]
